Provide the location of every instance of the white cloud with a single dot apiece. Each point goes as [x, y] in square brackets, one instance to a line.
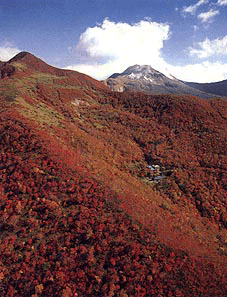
[7, 52]
[222, 2]
[192, 8]
[208, 48]
[111, 46]
[208, 16]
[202, 72]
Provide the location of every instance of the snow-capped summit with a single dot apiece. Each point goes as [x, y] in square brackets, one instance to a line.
[146, 79]
[141, 72]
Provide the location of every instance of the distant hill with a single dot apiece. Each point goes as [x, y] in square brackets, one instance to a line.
[106, 193]
[217, 88]
[146, 79]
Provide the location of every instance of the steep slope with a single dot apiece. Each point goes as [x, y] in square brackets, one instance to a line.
[146, 79]
[81, 211]
[217, 88]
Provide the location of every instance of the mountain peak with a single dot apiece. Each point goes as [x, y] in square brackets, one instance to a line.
[139, 72]
[146, 79]
[21, 56]
[139, 78]
[145, 69]
[31, 61]
[26, 63]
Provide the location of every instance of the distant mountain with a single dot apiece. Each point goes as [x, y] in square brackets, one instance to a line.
[146, 79]
[217, 88]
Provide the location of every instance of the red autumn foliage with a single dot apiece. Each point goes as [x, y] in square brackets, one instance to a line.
[68, 225]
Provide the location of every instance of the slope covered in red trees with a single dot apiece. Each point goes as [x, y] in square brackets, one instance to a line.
[80, 211]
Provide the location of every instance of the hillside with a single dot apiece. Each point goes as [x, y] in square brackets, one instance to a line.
[106, 193]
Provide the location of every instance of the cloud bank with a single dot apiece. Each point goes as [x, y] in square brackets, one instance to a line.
[115, 46]
[200, 72]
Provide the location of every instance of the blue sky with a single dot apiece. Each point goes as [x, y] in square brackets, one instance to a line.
[187, 39]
